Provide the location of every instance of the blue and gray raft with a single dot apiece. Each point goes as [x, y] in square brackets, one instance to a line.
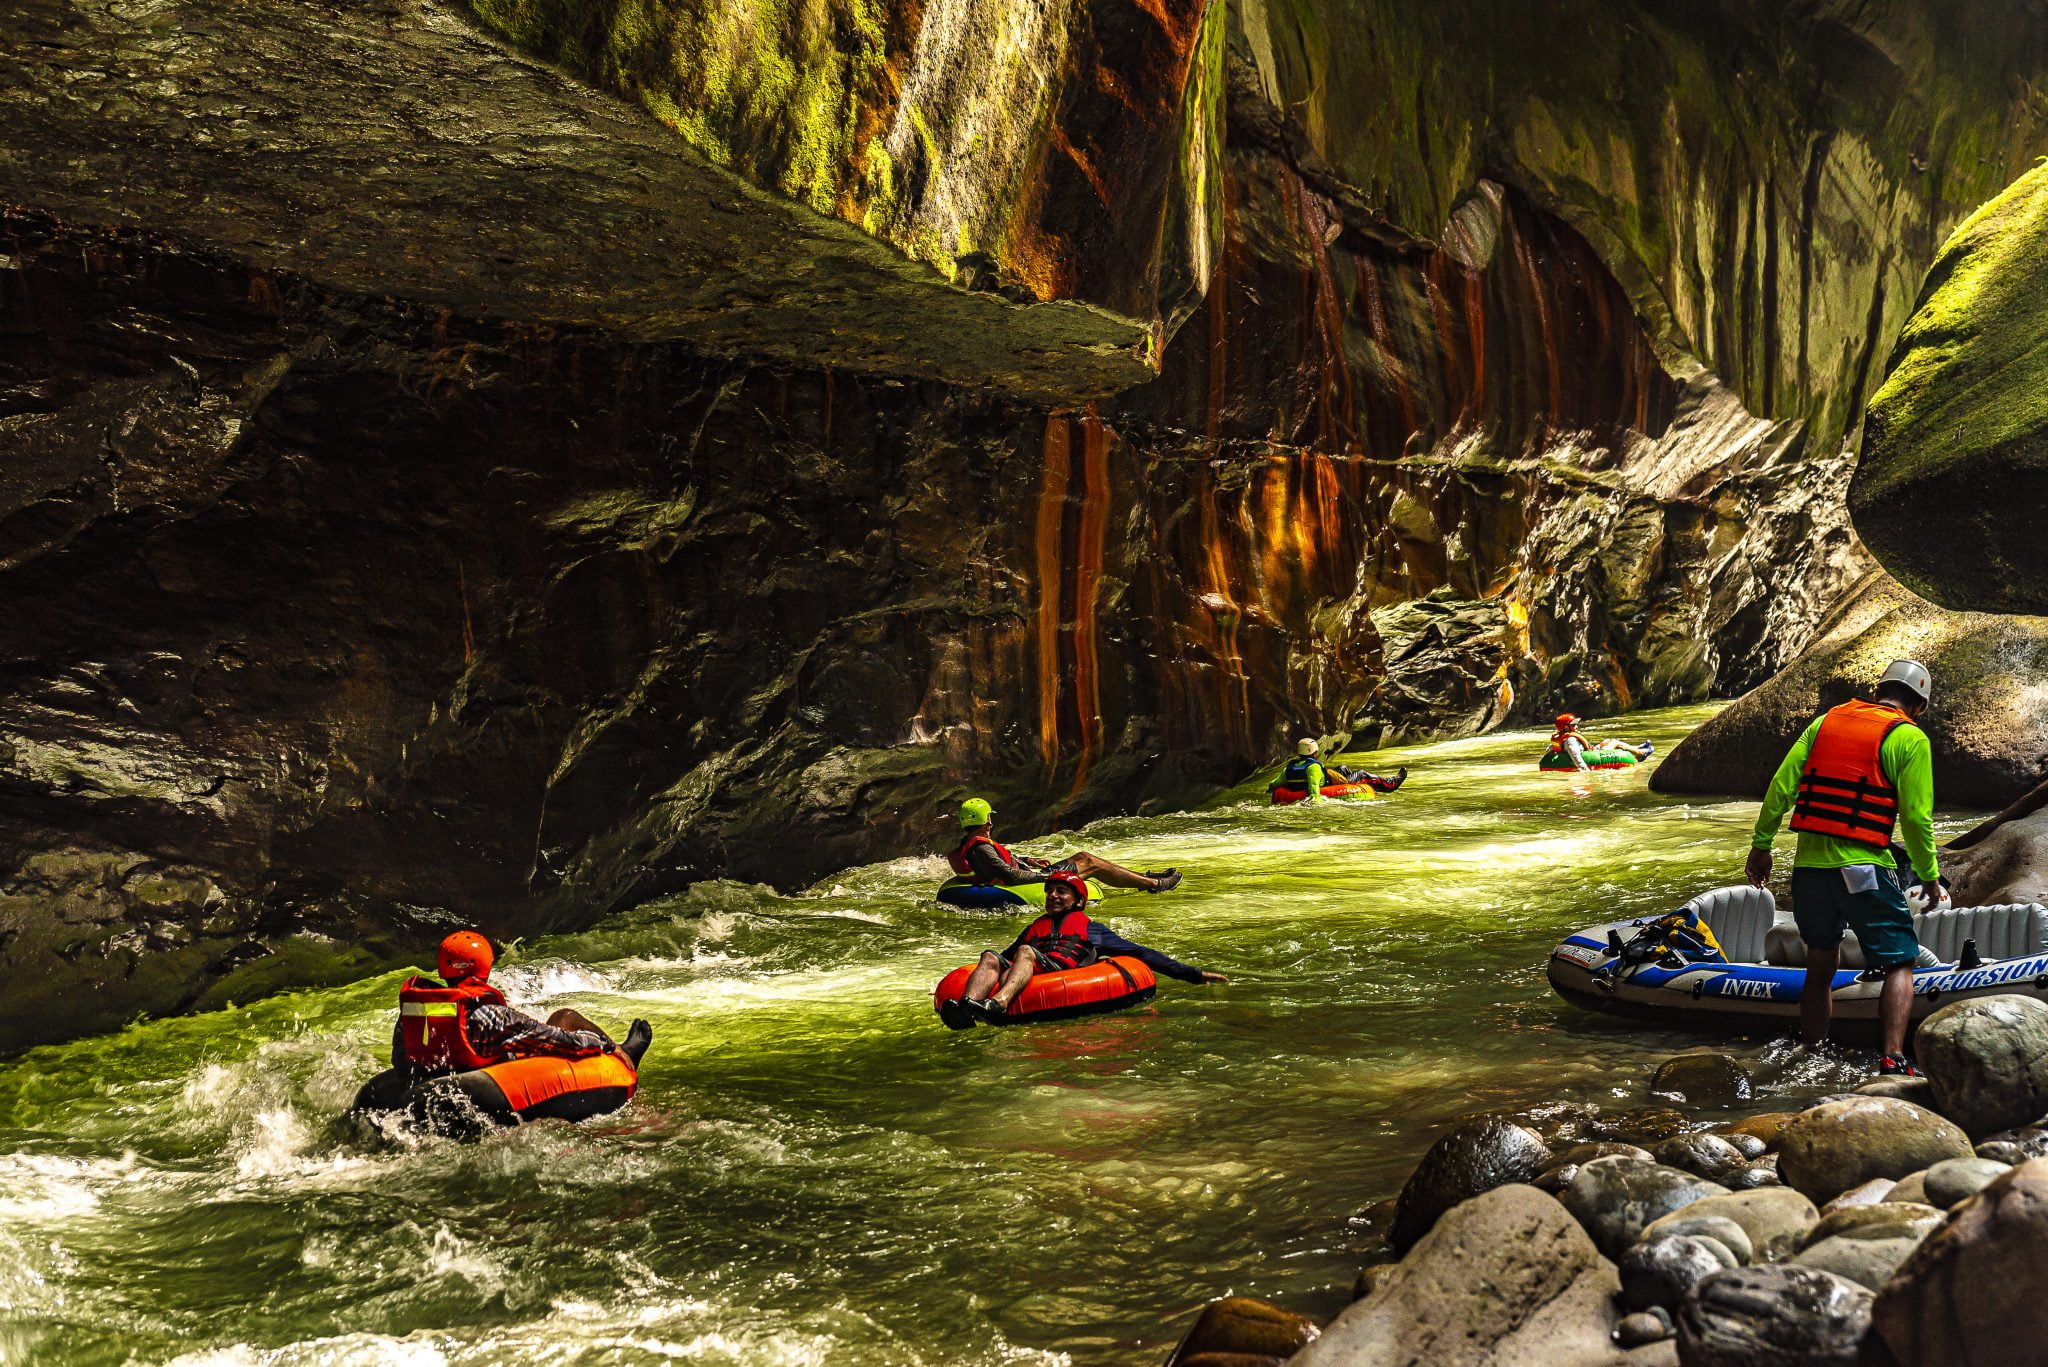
[1748, 972]
[968, 895]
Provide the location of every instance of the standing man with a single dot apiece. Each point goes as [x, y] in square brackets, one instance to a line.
[1859, 771]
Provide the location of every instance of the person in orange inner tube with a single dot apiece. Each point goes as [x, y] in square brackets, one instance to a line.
[423, 1040]
[1062, 938]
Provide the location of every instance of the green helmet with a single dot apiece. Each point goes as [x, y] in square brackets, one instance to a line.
[975, 811]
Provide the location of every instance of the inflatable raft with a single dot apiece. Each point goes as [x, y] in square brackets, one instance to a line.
[969, 895]
[1557, 761]
[1348, 792]
[465, 1105]
[1753, 979]
[1106, 985]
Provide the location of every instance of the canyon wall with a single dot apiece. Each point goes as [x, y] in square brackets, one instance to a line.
[374, 571]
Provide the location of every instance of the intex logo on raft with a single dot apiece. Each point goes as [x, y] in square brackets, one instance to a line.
[1583, 955]
[1734, 985]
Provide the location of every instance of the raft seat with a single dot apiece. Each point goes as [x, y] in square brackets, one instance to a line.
[1741, 918]
[2011, 930]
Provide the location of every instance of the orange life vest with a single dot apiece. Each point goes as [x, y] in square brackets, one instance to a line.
[1843, 790]
[435, 1023]
[1062, 939]
[1558, 739]
[958, 858]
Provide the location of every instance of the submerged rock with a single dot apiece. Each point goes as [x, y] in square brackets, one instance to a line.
[1970, 1295]
[1780, 1316]
[1987, 1061]
[1842, 1144]
[1238, 1331]
[1477, 1156]
[1703, 1080]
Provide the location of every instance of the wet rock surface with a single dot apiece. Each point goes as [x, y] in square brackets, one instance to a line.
[1843, 1144]
[1782, 1316]
[1703, 1080]
[1773, 1221]
[1986, 739]
[1617, 1198]
[1970, 1293]
[1505, 1277]
[1661, 1269]
[1987, 1061]
[1477, 1156]
[1238, 1331]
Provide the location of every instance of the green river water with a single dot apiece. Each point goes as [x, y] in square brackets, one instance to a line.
[815, 1171]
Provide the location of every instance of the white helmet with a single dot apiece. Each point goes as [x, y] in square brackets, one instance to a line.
[1912, 674]
[1307, 747]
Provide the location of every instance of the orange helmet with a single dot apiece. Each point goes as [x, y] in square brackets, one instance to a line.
[465, 954]
[1073, 882]
[1567, 719]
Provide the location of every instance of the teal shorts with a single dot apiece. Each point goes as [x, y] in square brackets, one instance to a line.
[1822, 905]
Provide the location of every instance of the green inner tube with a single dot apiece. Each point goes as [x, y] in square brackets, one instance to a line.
[1595, 759]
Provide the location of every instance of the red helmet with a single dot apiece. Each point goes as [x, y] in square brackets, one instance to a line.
[1567, 719]
[465, 954]
[1074, 882]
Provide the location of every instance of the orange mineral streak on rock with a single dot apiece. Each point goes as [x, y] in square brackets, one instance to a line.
[1052, 512]
[1094, 537]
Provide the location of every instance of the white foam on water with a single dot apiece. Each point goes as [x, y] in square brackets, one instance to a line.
[547, 979]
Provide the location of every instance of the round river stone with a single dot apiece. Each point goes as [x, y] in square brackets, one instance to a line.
[1842, 1144]
[1476, 1157]
[1988, 1061]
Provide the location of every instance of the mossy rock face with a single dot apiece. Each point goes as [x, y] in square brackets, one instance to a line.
[1955, 447]
[1988, 735]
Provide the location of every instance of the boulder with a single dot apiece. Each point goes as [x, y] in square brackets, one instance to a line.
[1841, 1144]
[2007, 863]
[1712, 1229]
[1703, 1155]
[1918, 1090]
[1777, 1316]
[1987, 1061]
[1639, 1125]
[1864, 1194]
[1953, 1181]
[1659, 1271]
[1970, 1295]
[1507, 1277]
[1748, 1145]
[1616, 1199]
[1644, 1326]
[1764, 1127]
[1885, 1214]
[1755, 1177]
[1868, 1251]
[1703, 1080]
[1237, 1331]
[1955, 440]
[1475, 1157]
[1908, 1190]
[1987, 740]
[1774, 1220]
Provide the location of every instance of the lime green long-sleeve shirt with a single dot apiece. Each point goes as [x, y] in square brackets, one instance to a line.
[1907, 760]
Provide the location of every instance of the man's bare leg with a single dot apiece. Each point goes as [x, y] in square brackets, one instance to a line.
[1021, 968]
[1895, 1009]
[570, 1019]
[982, 980]
[1816, 998]
[1116, 875]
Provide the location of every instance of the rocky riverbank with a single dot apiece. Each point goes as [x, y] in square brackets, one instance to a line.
[1903, 1224]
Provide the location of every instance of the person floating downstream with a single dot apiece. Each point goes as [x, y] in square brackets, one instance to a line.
[980, 857]
[1567, 742]
[1306, 773]
[1063, 938]
[1859, 771]
[461, 1022]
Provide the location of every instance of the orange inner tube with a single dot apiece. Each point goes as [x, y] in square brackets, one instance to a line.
[530, 1082]
[1104, 985]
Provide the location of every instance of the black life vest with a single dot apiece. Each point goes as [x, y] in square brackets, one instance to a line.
[1063, 939]
[958, 858]
[1295, 775]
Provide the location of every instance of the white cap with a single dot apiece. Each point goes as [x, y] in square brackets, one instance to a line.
[1307, 747]
[1912, 674]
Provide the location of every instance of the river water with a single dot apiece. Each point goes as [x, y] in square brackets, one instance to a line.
[815, 1171]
